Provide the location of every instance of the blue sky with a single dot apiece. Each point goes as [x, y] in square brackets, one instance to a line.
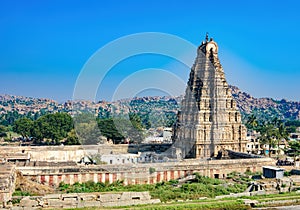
[45, 44]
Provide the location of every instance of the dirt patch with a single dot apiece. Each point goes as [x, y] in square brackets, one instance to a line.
[34, 188]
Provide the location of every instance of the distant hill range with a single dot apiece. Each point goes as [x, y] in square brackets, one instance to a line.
[266, 108]
[157, 110]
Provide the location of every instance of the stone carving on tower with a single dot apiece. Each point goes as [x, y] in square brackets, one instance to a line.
[209, 121]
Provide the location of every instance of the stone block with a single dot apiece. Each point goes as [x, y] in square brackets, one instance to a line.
[91, 203]
[60, 203]
[80, 204]
[116, 203]
[130, 202]
[135, 196]
[250, 202]
[70, 195]
[87, 197]
[244, 194]
[257, 193]
[154, 201]
[53, 196]
[31, 208]
[27, 202]
[109, 197]
[69, 206]
[16, 208]
[71, 199]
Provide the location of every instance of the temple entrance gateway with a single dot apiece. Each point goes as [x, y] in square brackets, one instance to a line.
[209, 120]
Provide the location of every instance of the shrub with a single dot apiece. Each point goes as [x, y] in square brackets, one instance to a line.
[18, 192]
[287, 173]
[151, 170]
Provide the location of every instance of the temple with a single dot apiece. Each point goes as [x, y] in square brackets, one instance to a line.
[209, 121]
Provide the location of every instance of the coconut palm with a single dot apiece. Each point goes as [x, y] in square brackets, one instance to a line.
[251, 122]
[281, 133]
[268, 136]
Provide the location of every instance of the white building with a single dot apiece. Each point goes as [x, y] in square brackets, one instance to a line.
[167, 135]
[120, 158]
[253, 145]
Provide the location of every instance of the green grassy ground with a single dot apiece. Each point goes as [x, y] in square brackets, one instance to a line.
[165, 191]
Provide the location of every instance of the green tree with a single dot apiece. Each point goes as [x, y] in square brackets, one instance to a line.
[117, 129]
[251, 122]
[272, 133]
[54, 127]
[276, 122]
[72, 138]
[87, 129]
[3, 130]
[282, 134]
[292, 125]
[9, 118]
[268, 136]
[113, 128]
[135, 132]
[294, 148]
[23, 127]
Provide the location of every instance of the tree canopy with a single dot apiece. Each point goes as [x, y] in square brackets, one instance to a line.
[294, 148]
[54, 127]
[86, 128]
[23, 127]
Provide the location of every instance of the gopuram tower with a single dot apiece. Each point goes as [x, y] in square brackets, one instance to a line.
[209, 121]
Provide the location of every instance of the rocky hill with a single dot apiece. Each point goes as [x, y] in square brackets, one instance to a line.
[266, 107]
[153, 110]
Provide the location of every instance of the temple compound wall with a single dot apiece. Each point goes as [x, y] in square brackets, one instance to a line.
[74, 153]
[60, 153]
[142, 173]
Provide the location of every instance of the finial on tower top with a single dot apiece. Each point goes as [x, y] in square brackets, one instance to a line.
[206, 37]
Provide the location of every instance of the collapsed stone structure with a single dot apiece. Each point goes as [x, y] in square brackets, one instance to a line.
[209, 120]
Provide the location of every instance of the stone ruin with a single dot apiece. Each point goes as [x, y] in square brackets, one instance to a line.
[7, 182]
[80, 200]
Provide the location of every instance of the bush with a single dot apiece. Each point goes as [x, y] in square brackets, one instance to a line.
[151, 170]
[207, 180]
[18, 192]
[15, 200]
[287, 173]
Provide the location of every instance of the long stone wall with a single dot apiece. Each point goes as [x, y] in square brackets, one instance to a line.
[75, 153]
[142, 173]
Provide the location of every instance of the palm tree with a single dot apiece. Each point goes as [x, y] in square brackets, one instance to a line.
[251, 122]
[295, 148]
[276, 122]
[268, 136]
[282, 134]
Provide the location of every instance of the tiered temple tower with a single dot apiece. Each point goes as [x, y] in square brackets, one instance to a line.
[209, 121]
